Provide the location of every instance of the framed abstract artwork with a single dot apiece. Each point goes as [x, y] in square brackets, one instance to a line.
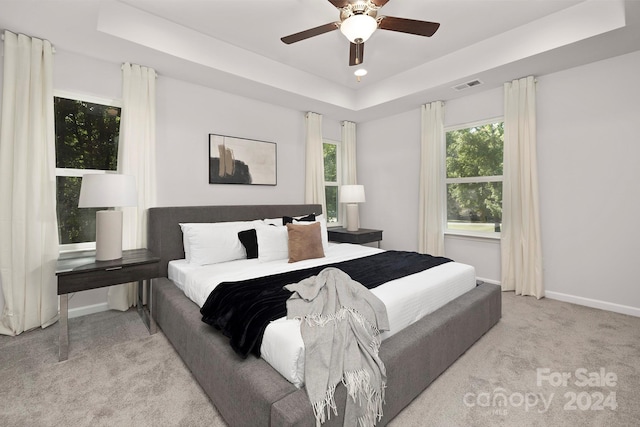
[235, 160]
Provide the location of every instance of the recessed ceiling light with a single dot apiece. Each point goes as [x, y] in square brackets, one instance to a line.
[359, 73]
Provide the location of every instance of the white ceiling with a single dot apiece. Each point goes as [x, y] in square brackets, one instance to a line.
[234, 45]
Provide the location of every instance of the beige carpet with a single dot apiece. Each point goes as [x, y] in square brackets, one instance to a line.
[118, 375]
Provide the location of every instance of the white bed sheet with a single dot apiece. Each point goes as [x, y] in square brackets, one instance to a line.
[407, 299]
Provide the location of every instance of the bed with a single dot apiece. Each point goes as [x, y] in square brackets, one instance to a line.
[250, 391]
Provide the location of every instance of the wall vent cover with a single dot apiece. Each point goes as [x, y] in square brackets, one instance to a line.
[467, 85]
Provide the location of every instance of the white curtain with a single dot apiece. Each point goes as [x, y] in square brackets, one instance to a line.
[431, 200]
[28, 224]
[136, 156]
[520, 236]
[348, 159]
[314, 162]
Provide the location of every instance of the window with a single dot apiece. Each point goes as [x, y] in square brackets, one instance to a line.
[86, 142]
[474, 178]
[331, 151]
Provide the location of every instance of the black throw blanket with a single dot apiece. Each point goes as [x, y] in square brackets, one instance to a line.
[242, 310]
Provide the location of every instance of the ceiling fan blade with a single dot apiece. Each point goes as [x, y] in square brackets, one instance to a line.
[340, 3]
[356, 54]
[310, 33]
[410, 26]
[380, 3]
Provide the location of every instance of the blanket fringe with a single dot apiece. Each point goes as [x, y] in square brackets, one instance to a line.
[322, 409]
[358, 384]
[318, 319]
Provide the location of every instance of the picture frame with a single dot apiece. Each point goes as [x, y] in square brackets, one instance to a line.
[234, 160]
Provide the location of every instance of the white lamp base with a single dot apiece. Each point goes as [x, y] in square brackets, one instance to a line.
[353, 222]
[108, 235]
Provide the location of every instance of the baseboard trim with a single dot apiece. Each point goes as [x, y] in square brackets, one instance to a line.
[88, 309]
[493, 282]
[587, 302]
[593, 303]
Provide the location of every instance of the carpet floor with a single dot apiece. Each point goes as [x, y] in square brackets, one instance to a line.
[546, 363]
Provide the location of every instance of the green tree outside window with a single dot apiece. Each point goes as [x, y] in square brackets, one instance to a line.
[474, 177]
[86, 138]
[330, 152]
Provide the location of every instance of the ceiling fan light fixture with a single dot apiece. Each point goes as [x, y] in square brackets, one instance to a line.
[358, 28]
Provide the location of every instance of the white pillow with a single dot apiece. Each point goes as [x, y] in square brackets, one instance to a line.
[212, 243]
[273, 242]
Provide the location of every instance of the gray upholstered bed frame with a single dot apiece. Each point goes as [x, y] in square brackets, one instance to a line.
[250, 392]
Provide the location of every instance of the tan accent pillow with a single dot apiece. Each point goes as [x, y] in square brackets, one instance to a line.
[305, 242]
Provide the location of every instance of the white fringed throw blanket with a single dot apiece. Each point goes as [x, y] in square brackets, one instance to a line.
[341, 324]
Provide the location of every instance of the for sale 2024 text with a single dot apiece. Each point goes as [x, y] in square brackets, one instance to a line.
[589, 399]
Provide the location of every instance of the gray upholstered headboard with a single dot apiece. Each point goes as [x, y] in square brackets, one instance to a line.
[164, 236]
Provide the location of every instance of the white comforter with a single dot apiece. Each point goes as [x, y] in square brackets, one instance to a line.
[407, 299]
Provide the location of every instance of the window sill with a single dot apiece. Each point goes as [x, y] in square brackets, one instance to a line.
[77, 253]
[76, 249]
[334, 225]
[471, 235]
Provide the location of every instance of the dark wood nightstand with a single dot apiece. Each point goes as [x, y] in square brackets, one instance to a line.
[81, 272]
[362, 236]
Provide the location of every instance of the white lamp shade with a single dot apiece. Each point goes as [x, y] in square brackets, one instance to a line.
[358, 27]
[351, 194]
[107, 191]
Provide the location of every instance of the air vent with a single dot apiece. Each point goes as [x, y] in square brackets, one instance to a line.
[467, 85]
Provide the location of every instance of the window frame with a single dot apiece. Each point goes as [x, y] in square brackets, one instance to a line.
[72, 172]
[337, 183]
[467, 180]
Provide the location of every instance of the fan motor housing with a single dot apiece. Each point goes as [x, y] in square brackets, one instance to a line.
[359, 8]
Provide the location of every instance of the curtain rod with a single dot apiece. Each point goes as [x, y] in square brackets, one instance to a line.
[53, 48]
[131, 63]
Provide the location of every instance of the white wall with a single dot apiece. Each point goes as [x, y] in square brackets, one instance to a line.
[187, 113]
[388, 166]
[588, 153]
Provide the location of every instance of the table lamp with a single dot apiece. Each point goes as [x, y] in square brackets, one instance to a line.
[108, 191]
[352, 195]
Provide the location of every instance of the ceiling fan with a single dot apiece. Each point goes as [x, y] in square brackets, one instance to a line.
[358, 20]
